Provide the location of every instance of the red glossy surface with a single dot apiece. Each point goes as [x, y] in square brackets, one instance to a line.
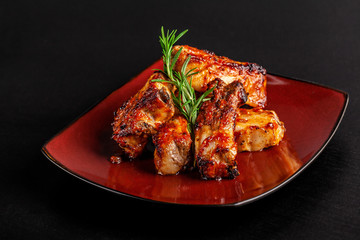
[310, 112]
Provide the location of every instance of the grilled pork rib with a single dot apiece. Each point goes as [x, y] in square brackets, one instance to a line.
[172, 146]
[215, 146]
[257, 129]
[210, 67]
[222, 129]
[140, 117]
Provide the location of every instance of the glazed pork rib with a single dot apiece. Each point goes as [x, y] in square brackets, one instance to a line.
[215, 146]
[257, 129]
[172, 146]
[210, 67]
[140, 117]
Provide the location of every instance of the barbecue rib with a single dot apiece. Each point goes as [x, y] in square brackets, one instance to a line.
[215, 146]
[210, 67]
[172, 146]
[257, 129]
[140, 117]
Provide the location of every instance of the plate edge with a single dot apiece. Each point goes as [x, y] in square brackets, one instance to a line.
[310, 82]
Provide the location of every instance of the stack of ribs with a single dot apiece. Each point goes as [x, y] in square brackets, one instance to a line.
[232, 121]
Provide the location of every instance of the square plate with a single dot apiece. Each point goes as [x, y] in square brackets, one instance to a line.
[311, 114]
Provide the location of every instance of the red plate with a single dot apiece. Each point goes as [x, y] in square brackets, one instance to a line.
[311, 114]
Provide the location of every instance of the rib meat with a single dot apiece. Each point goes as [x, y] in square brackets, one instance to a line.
[140, 117]
[172, 146]
[215, 146]
[257, 129]
[210, 67]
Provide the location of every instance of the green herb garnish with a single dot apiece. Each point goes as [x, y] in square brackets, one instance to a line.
[185, 99]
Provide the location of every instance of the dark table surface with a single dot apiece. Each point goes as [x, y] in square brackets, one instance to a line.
[57, 58]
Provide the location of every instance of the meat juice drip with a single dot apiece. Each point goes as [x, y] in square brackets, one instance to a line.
[115, 159]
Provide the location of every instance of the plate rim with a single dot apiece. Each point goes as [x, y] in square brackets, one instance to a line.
[234, 204]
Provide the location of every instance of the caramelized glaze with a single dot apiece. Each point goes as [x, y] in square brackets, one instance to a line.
[209, 67]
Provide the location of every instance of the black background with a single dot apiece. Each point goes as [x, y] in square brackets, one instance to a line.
[57, 58]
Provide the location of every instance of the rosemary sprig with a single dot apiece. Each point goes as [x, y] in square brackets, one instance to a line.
[185, 99]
